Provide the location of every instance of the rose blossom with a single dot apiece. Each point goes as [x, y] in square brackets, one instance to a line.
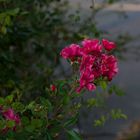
[94, 61]
[86, 61]
[71, 51]
[91, 46]
[108, 45]
[109, 66]
[10, 115]
[53, 88]
[86, 80]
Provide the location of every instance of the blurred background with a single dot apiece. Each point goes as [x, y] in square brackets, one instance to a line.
[33, 33]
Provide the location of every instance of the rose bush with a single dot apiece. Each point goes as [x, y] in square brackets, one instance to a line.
[34, 103]
[52, 113]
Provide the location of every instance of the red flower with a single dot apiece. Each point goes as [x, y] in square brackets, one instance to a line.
[86, 80]
[87, 62]
[71, 51]
[10, 115]
[53, 88]
[91, 46]
[108, 45]
[94, 61]
[109, 66]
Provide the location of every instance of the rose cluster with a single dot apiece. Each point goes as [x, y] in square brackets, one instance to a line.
[95, 61]
[10, 116]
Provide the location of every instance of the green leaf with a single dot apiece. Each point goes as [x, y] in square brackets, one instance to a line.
[61, 85]
[101, 121]
[7, 20]
[9, 99]
[13, 12]
[18, 106]
[111, 90]
[46, 103]
[36, 123]
[66, 100]
[49, 105]
[92, 102]
[55, 130]
[48, 136]
[99, 101]
[25, 120]
[71, 121]
[31, 105]
[30, 128]
[10, 123]
[117, 114]
[103, 85]
[4, 30]
[1, 101]
[118, 91]
[24, 13]
[72, 135]
[2, 124]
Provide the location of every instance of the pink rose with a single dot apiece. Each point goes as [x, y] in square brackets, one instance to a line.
[94, 61]
[71, 51]
[87, 61]
[91, 46]
[108, 45]
[86, 81]
[109, 66]
[10, 115]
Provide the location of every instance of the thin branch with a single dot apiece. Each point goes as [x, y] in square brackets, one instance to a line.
[93, 10]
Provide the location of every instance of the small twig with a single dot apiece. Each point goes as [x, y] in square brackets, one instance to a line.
[93, 10]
